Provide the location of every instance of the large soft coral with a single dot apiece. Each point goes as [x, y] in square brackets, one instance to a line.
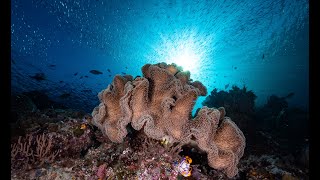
[218, 136]
[161, 103]
[113, 113]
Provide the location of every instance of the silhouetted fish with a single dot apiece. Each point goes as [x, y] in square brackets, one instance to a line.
[75, 74]
[263, 56]
[52, 65]
[86, 76]
[123, 73]
[60, 81]
[226, 86]
[64, 95]
[39, 76]
[109, 75]
[96, 72]
[235, 67]
[290, 95]
[109, 70]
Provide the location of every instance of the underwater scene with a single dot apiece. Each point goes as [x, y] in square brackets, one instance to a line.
[149, 90]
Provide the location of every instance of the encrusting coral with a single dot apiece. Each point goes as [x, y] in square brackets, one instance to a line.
[161, 103]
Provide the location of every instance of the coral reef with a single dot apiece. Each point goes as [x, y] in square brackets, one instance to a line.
[161, 103]
[143, 129]
[239, 103]
[271, 167]
[33, 150]
[274, 113]
[283, 122]
[84, 153]
[46, 140]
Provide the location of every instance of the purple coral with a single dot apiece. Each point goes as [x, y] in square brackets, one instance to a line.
[101, 172]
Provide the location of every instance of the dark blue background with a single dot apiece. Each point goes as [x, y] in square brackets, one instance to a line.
[262, 44]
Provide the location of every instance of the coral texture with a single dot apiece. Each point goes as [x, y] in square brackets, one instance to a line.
[161, 103]
[32, 150]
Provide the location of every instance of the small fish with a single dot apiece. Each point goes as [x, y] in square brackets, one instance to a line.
[83, 126]
[226, 86]
[109, 75]
[81, 77]
[123, 73]
[290, 95]
[263, 56]
[39, 76]
[235, 67]
[64, 95]
[52, 65]
[96, 72]
[75, 74]
[109, 70]
[60, 81]
[86, 76]
[126, 68]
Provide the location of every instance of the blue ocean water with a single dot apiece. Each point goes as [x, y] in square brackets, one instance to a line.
[262, 44]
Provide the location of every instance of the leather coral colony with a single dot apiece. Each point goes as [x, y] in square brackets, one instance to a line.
[161, 103]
